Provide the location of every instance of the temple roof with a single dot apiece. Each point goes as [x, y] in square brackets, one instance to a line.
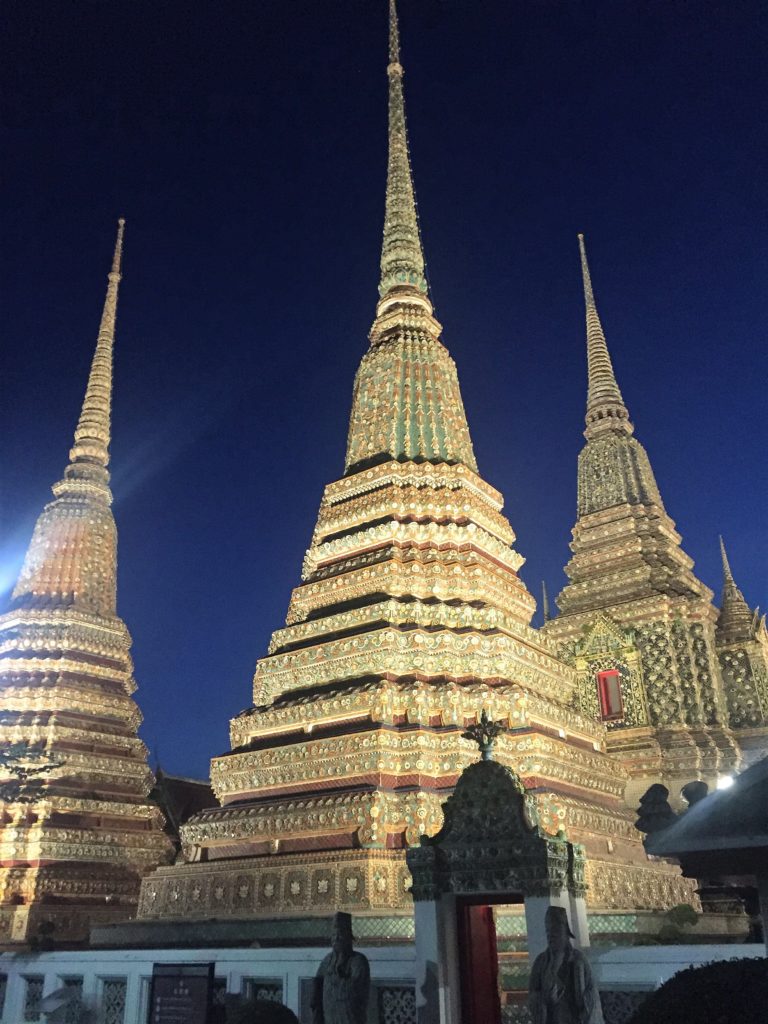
[179, 798]
[728, 819]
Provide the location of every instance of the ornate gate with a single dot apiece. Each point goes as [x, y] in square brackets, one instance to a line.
[491, 849]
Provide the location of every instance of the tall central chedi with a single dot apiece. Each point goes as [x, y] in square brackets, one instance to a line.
[73, 848]
[410, 619]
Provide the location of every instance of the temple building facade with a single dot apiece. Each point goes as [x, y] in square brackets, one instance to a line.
[76, 829]
[680, 687]
[410, 620]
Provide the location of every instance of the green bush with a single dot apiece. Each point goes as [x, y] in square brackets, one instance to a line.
[258, 1011]
[674, 927]
[682, 915]
[728, 992]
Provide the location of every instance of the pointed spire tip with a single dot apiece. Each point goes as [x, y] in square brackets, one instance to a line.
[89, 457]
[117, 258]
[727, 574]
[394, 35]
[402, 259]
[545, 602]
[605, 406]
[589, 296]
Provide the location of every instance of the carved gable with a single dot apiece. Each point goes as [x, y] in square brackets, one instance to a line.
[491, 842]
[605, 636]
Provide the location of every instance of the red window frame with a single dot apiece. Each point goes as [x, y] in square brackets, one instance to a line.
[609, 694]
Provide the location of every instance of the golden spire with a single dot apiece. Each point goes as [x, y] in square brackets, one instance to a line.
[407, 401]
[606, 410]
[89, 457]
[736, 618]
[402, 260]
[72, 557]
[727, 574]
[545, 602]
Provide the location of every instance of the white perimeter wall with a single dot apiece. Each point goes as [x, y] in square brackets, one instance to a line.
[647, 967]
[388, 965]
[634, 968]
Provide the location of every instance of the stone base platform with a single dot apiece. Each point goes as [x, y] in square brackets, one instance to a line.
[607, 928]
[258, 933]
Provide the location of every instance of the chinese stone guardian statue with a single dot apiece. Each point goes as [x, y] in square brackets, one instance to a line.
[562, 989]
[343, 980]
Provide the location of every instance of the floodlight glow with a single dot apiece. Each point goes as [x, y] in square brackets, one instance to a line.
[725, 782]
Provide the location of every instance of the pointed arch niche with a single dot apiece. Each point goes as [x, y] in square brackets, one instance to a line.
[608, 661]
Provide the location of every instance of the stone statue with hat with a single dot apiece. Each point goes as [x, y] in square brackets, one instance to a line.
[562, 989]
[343, 980]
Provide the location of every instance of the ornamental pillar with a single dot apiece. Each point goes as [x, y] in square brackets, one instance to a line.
[436, 961]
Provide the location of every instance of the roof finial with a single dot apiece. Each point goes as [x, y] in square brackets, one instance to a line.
[89, 456]
[402, 260]
[727, 574]
[605, 406]
[589, 296]
[545, 602]
[736, 619]
[394, 34]
[484, 732]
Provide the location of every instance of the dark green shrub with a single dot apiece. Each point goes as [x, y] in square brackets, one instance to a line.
[728, 992]
[682, 915]
[258, 1011]
[674, 927]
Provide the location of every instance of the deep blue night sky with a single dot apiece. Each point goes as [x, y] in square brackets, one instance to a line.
[245, 143]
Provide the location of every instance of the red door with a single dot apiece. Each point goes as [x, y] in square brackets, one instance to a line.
[478, 965]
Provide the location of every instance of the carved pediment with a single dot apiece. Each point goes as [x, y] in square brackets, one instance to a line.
[602, 636]
[491, 842]
[489, 803]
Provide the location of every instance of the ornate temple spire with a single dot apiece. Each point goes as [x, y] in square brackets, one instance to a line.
[727, 574]
[66, 680]
[736, 620]
[71, 559]
[545, 602]
[89, 457]
[407, 403]
[402, 260]
[606, 410]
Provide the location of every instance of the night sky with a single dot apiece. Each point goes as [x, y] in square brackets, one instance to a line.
[245, 143]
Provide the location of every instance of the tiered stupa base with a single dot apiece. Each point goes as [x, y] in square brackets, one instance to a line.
[70, 897]
[339, 802]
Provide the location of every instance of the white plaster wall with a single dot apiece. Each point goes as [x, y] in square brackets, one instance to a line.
[648, 967]
[627, 968]
[388, 965]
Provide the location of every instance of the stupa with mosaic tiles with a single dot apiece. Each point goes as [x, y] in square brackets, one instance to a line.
[410, 619]
[682, 688]
[73, 848]
[741, 641]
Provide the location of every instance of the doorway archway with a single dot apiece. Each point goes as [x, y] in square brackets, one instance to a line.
[490, 850]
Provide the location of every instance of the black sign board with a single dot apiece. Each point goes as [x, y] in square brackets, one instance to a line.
[181, 994]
